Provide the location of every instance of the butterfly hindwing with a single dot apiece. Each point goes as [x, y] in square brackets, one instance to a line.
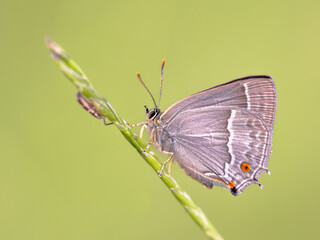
[212, 144]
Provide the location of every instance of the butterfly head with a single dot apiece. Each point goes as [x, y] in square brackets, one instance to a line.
[152, 113]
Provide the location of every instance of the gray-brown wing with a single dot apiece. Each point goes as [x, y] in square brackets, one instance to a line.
[221, 145]
[254, 93]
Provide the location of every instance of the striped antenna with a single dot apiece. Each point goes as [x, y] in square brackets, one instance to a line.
[139, 77]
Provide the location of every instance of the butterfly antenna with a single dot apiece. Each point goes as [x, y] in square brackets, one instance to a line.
[161, 80]
[139, 77]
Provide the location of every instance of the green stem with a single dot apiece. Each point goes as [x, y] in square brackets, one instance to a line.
[105, 110]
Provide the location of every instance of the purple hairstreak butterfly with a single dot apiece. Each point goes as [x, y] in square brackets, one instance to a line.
[220, 136]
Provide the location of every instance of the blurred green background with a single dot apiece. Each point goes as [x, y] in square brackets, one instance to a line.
[63, 175]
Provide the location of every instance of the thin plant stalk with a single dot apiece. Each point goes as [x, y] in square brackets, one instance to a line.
[105, 110]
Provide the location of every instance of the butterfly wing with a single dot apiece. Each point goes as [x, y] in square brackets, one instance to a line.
[222, 136]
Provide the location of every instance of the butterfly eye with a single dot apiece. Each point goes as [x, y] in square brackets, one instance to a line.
[245, 167]
[152, 113]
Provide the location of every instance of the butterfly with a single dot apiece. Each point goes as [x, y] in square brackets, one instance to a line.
[220, 136]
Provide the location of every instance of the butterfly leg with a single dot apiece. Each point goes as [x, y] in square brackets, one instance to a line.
[141, 130]
[170, 165]
[105, 123]
[165, 163]
[147, 147]
[144, 125]
[150, 141]
[136, 125]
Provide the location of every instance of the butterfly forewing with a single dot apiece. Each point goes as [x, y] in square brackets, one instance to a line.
[254, 93]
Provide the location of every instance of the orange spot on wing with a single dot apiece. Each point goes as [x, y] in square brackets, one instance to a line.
[219, 179]
[245, 167]
[231, 184]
